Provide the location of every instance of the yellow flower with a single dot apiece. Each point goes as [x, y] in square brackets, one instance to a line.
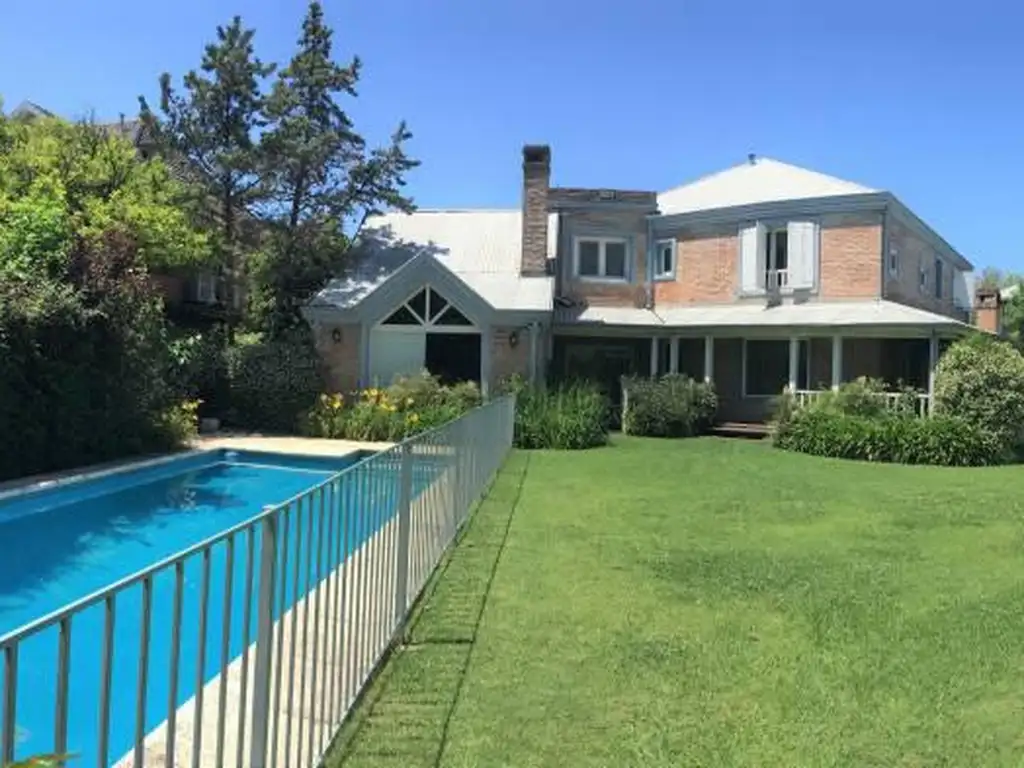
[414, 417]
[408, 402]
[337, 401]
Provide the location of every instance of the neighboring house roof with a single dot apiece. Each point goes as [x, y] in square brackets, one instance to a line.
[816, 314]
[31, 109]
[760, 180]
[482, 248]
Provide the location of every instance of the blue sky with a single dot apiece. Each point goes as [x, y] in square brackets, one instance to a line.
[924, 99]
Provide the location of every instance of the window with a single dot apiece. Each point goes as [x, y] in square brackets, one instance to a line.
[601, 258]
[776, 261]
[766, 367]
[665, 260]
[206, 288]
[894, 260]
[938, 278]
[428, 308]
[922, 277]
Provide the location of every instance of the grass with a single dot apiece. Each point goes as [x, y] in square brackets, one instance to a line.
[716, 603]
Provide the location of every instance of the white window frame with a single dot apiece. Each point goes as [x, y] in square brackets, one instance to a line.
[660, 247]
[602, 243]
[206, 288]
[770, 256]
[893, 260]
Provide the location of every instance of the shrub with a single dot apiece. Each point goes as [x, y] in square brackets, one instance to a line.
[272, 382]
[571, 417]
[981, 380]
[670, 406]
[941, 440]
[410, 406]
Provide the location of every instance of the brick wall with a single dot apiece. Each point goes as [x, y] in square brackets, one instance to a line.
[340, 358]
[913, 251]
[508, 360]
[707, 261]
[629, 223]
[850, 256]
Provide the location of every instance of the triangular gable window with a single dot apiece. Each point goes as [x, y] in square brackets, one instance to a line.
[428, 308]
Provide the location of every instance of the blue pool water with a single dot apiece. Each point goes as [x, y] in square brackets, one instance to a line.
[61, 544]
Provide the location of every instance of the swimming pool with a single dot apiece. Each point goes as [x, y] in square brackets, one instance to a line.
[62, 543]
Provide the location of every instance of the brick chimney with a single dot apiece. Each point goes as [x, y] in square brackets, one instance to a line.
[536, 180]
[988, 310]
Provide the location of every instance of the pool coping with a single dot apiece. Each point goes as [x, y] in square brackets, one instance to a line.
[296, 446]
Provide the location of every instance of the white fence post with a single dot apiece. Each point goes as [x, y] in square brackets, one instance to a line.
[264, 643]
[404, 530]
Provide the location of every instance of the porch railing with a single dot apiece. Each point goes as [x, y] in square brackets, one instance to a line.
[250, 648]
[893, 400]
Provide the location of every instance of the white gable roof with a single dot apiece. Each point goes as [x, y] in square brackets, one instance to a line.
[482, 248]
[762, 181]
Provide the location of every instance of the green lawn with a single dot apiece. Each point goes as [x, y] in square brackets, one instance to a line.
[716, 603]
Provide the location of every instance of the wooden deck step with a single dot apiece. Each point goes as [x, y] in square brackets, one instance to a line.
[749, 429]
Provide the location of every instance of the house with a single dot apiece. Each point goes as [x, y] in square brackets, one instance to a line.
[759, 277]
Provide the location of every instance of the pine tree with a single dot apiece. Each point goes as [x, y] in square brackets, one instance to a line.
[209, 133]
[324, 181]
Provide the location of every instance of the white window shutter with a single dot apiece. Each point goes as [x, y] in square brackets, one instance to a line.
[803, 253]
[752, 258]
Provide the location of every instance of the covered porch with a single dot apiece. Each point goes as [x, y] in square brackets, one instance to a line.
[751, 370]
[751, 367]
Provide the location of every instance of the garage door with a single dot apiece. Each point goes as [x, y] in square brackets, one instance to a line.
[396, 352]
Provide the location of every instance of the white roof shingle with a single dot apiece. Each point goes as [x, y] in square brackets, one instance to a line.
[761, 181]
[483, 248]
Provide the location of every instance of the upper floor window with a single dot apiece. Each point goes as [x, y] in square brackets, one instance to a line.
[938, 278]
[894, 260]
[665, 260]
[776, 258]
[601, 258]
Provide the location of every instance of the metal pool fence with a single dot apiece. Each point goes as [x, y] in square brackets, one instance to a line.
[250, 648]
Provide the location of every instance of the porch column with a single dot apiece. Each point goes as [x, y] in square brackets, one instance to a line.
[486, 344]
[673, 355]
[933, 358]
[654, 356]
[794, 362]
[837, 361]
[709, 359]
[534, 331]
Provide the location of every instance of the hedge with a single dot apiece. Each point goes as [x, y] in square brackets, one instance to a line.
[572, 416]
[940, 440]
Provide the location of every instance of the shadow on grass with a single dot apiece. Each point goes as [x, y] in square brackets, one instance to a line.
[403, 719]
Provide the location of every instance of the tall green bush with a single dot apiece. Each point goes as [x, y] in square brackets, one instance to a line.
[981, 380]
[83, 365]
[570, 417]
[669, 406]
[272, 382]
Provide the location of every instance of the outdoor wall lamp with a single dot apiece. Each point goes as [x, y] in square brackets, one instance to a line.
[513, 339]
[336, 335]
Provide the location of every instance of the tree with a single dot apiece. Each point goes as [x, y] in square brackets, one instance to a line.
[322, 180]
[210, 131]
[64, 185]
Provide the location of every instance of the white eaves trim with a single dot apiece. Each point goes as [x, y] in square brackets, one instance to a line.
[811, 315]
